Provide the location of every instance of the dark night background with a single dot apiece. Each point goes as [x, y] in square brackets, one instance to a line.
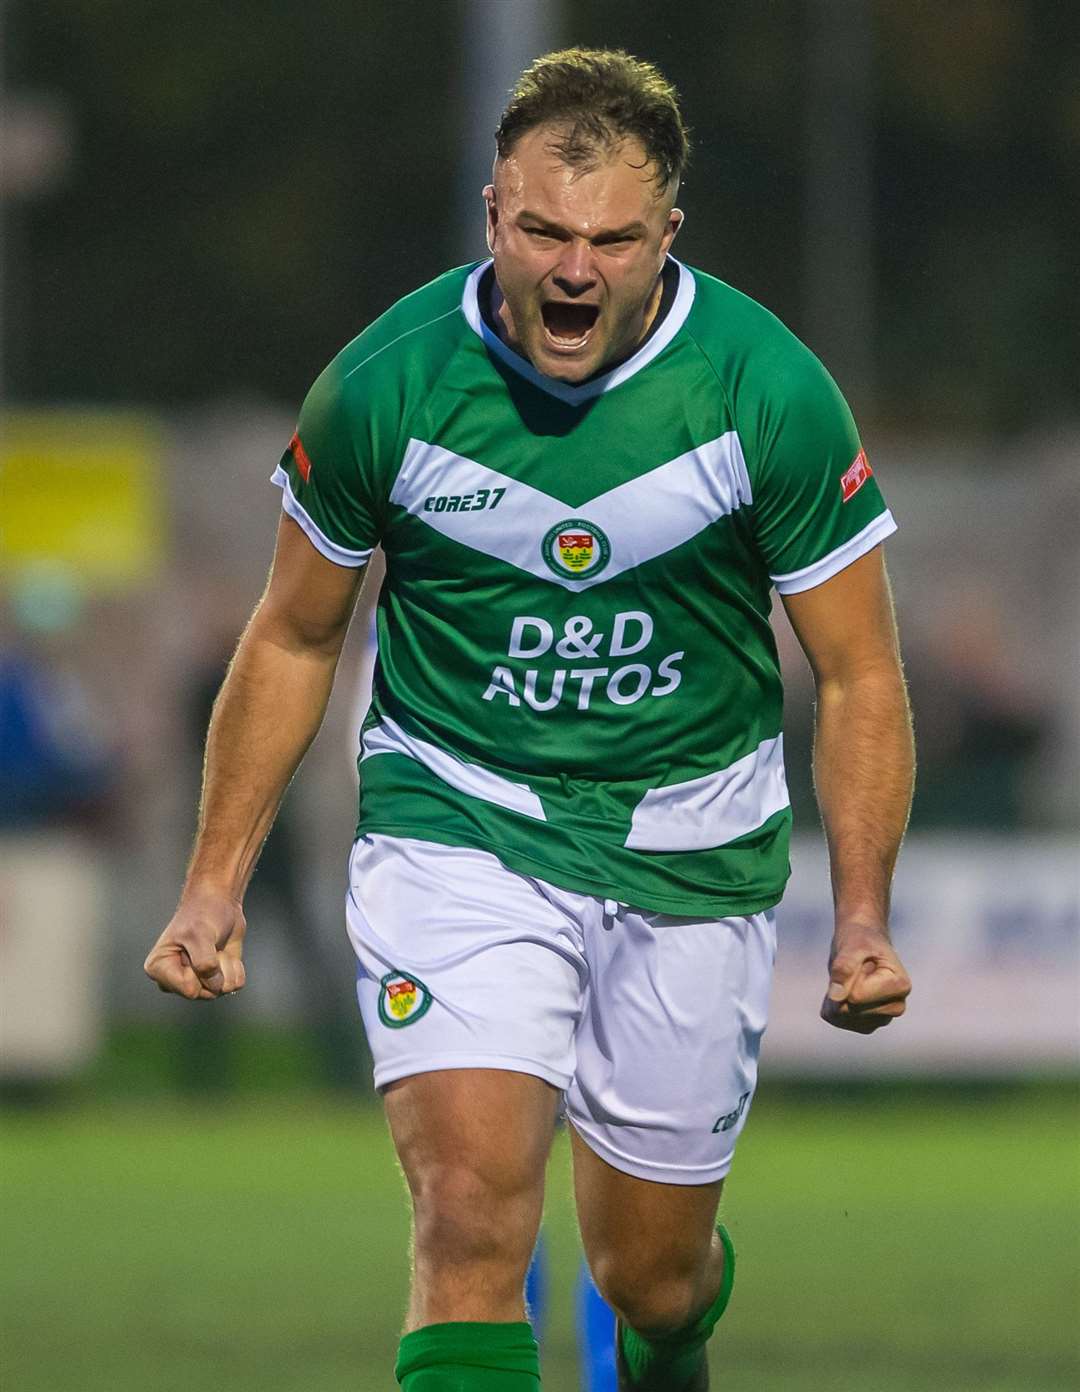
[250, 184]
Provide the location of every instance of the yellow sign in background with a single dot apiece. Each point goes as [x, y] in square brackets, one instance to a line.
[83, 490]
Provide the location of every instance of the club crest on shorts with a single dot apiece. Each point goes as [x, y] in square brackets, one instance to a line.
[576, 548]
[403, 998]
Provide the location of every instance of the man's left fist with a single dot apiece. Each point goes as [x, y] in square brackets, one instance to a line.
[867, 984]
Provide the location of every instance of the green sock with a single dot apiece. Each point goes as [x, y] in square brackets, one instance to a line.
[469, 1357]
[676, 1357]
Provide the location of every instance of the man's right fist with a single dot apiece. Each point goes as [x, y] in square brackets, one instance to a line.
[199, 955]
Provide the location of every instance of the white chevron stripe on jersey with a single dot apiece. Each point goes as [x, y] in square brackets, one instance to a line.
[389, 738]
[640, 519]
[711, 811]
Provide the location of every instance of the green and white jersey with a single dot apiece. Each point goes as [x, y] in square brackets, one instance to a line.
[576, 670]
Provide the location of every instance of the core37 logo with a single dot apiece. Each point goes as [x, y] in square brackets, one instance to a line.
[489, 498]
[728, 1120]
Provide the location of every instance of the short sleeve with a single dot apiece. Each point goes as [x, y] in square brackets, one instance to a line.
[816, 504]
[325, 475]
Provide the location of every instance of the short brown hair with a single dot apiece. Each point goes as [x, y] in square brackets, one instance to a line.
[600, 96]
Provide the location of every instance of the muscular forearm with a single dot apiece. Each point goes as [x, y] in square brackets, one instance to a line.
[265, 717]
[863, 772]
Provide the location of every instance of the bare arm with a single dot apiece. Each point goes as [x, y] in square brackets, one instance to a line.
[863, 773]
[267, 713]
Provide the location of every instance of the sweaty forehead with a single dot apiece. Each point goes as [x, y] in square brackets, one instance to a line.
[615, 189]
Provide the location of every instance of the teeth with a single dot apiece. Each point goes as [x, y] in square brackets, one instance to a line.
[568, 326]
[567, 342]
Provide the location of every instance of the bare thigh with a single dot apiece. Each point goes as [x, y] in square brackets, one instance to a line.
[473, 1143]
[651, 1247]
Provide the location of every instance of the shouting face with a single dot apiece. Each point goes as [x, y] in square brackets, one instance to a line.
[578, 253]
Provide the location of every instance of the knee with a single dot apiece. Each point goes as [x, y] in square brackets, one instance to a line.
[461, 1216]
[653, 1300]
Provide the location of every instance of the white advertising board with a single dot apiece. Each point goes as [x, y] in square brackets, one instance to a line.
[989, 929]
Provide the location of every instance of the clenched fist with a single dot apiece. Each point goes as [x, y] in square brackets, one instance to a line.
[868, 985]
[199, 953]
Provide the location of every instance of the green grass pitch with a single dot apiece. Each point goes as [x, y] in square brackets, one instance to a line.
[921, 1245]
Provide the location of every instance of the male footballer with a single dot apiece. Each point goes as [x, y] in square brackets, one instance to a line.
[588, 465]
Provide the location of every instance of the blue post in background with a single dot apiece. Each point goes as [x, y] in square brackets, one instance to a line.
[596, 1336]
[594, 1321]
[536, 1288]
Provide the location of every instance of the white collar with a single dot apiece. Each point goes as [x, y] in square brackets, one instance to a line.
[574, 395]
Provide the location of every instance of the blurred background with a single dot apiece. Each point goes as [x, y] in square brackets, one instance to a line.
[200, 205]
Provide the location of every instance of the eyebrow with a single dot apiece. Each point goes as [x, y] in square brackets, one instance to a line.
[605, 234]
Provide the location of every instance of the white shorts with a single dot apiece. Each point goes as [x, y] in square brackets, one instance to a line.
[650, 1023]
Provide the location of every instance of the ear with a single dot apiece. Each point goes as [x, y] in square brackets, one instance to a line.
[492, 211]
[674, 222]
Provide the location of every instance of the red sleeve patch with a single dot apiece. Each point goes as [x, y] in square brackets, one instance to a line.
[854, 477]
[303, 463]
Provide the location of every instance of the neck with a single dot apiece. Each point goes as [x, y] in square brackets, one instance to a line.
[500, 313]
[652, 306]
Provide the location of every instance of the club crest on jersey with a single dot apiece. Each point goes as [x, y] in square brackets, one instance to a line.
[403, 998]
[576, 547]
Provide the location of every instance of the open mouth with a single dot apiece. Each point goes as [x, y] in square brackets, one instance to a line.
[569, 325]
